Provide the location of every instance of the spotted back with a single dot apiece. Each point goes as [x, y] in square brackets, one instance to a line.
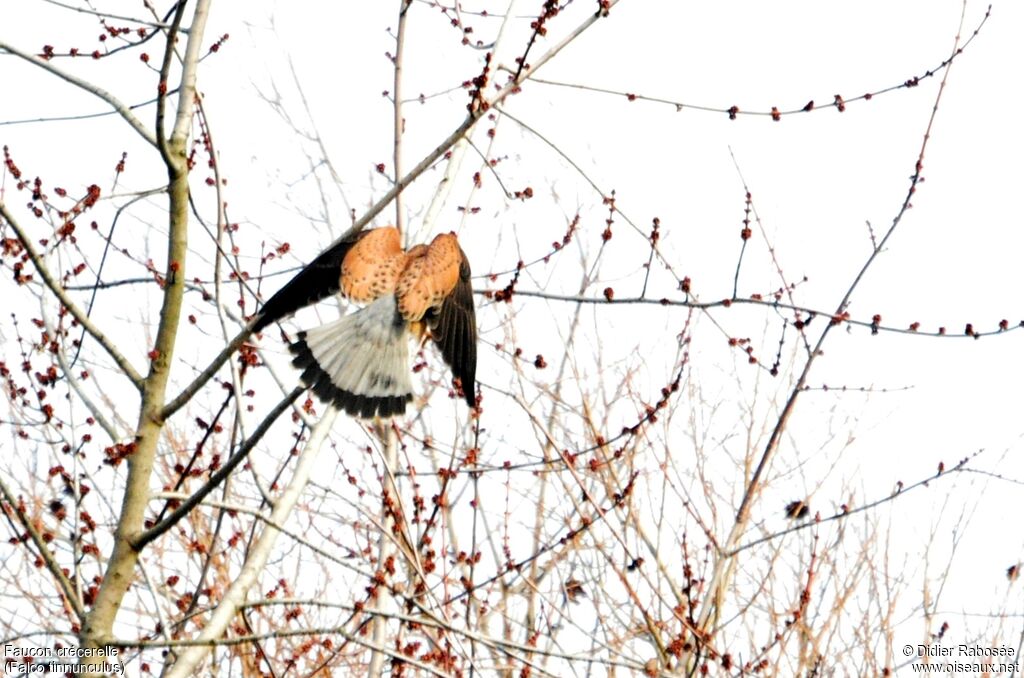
[429, 277]
[372, 267]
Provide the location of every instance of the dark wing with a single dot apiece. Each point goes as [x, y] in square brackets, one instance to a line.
[453, 329]
[319, 280]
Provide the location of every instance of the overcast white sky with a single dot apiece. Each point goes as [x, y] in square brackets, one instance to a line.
[816, 180]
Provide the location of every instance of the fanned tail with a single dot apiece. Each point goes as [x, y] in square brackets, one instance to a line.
[360, 363]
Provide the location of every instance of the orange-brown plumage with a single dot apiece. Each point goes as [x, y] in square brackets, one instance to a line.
[420, 279]
[430, 275]
[371, 268]
[360, 362]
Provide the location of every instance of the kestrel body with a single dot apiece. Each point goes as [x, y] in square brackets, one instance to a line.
[360, 362]
[373, 265]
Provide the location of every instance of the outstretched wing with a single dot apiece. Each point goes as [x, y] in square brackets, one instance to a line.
[318, 280]
[453, 329]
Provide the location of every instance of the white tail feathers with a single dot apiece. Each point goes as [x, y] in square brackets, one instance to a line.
[359, 362]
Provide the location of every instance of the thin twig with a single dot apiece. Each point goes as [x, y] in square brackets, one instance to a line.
[58, 291]
[44, 552]
[399, 121]
[108, 15]
[122, 109]
[234, 597]
[221, 474]
[724, 565]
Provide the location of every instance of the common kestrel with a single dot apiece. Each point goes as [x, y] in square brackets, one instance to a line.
[361, 361]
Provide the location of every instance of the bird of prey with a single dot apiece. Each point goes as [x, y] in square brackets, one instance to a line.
[360, 363]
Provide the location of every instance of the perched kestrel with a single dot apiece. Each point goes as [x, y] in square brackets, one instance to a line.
[361, 361]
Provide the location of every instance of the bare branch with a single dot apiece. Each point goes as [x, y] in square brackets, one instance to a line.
[724, 565]
[122, 109]
[220, 475]
[44, 552]
[233, 599]
[58, 291]
[108, 15]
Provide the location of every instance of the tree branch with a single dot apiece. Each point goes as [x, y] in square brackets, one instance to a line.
[140, 541]
[66, 301]
[234, 597]
[120, 568]
[52, 565]
[723, 566]
[123, 110]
